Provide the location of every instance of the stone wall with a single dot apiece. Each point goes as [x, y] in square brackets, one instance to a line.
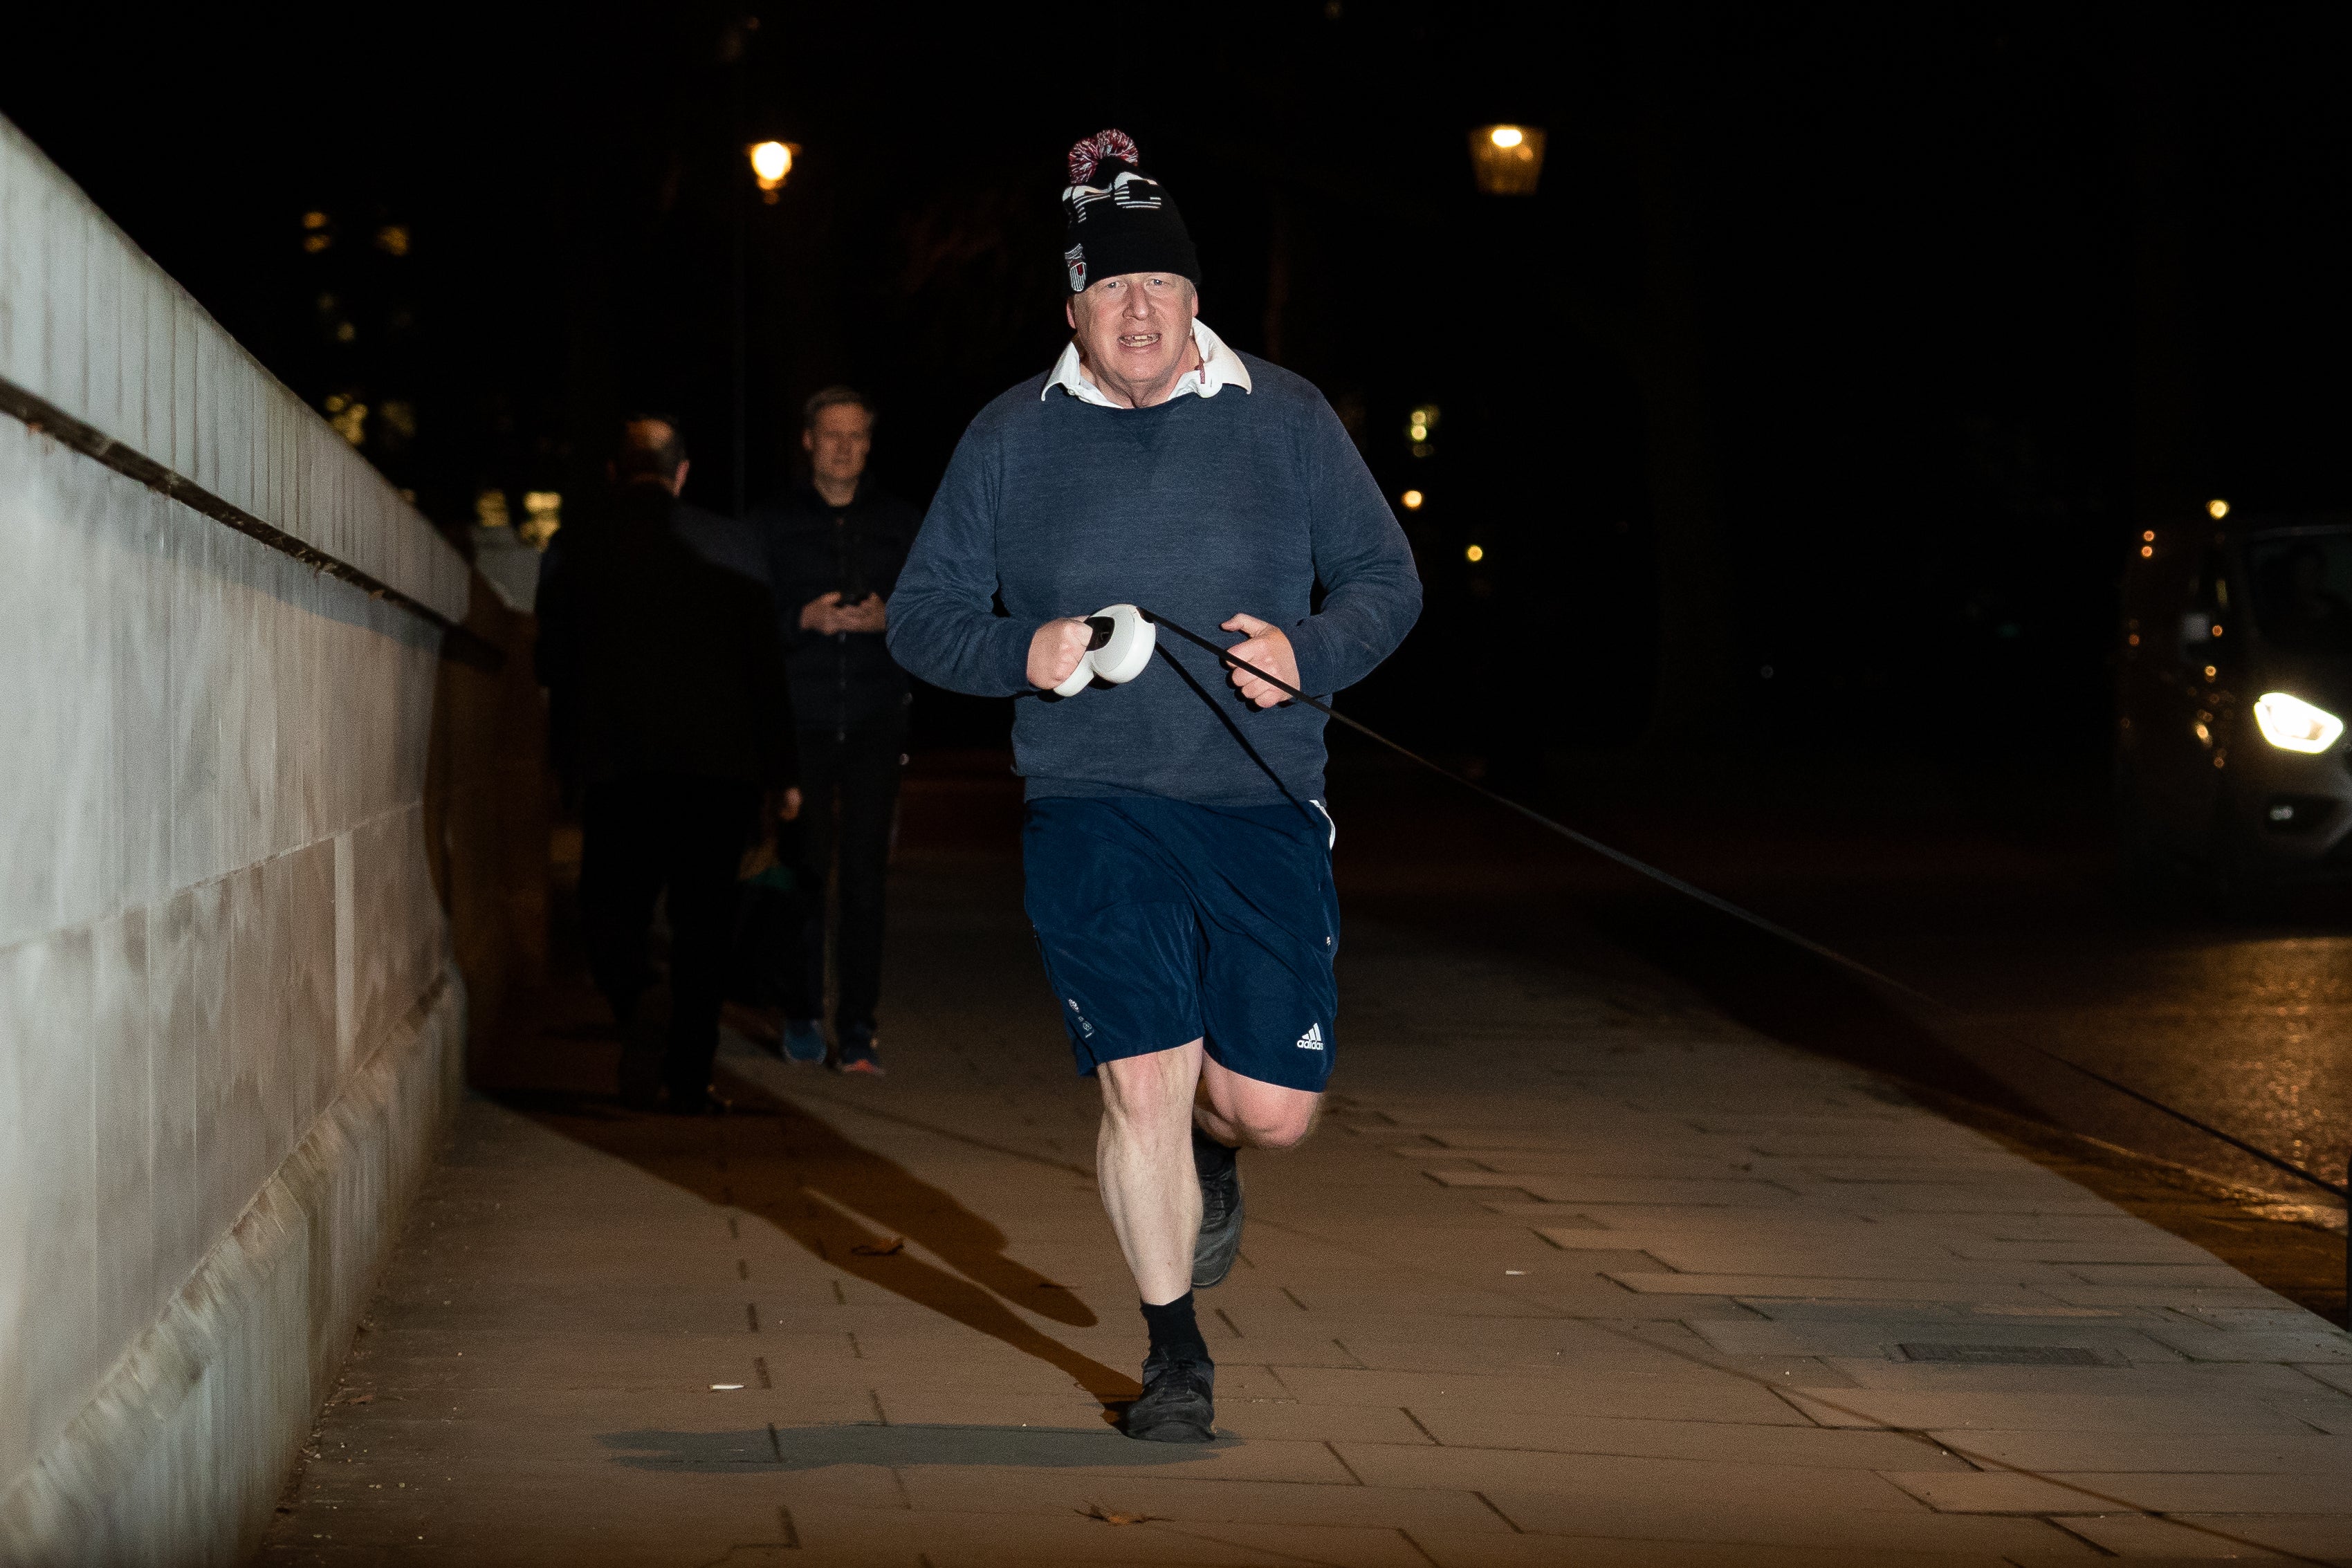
[228, 1023]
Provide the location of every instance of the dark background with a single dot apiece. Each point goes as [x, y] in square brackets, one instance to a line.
[1851, 342]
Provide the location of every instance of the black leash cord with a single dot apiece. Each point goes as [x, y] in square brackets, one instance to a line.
[1725, 905]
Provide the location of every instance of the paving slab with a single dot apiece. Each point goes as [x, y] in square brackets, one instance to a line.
[1645, 1290]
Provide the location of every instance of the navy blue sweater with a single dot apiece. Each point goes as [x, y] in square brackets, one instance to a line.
[1197, 508]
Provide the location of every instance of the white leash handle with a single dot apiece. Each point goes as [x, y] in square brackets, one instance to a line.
[1122, 645]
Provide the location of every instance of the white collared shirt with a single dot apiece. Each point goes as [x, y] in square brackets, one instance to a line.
[1219, 368]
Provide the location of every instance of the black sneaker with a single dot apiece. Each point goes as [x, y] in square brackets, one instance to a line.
[1219, 1241]
[1179, 1402]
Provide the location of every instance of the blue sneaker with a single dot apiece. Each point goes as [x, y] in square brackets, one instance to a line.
[804, 1040]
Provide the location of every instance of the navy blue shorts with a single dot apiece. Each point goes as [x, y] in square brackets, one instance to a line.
[1163, 922]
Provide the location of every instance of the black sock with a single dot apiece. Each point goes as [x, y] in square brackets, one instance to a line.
[1209, 1157]
[1173, 1330]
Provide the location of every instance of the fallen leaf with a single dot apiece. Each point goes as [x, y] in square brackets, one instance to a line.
[1100, 1512]
[889, 1249]
[361, 1399]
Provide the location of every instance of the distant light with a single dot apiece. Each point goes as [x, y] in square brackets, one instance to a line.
[2218, 509]
[393, 239]
[490, 509]
[2133, 639]
[771, 164]
[542, 515]
[349, 419]
[1508, 160]
[1475, 554]
[314, 220]
[2291, 724]
[2146, 551]
[2210, 672]
[1412, 499]
[2150, 536]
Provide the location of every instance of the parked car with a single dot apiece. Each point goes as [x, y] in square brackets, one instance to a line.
[2236, 686]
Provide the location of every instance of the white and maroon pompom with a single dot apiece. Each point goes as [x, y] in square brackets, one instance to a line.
[1095, 148]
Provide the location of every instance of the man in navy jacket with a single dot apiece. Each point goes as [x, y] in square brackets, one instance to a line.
[1177, 845]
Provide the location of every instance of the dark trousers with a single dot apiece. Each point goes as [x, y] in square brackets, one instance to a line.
[849, 788]
[642, 834]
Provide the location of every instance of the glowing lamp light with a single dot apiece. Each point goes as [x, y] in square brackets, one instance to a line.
[1508, 160]
[542, 516]
[2291, 724]
[1412, 499]
[771, 165]
[1473, 555]
[2217, 511]
[1417, 426]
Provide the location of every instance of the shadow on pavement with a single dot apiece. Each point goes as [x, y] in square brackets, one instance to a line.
[796, 1172]
[819, 1448]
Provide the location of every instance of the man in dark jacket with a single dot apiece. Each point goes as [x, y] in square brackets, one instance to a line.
[835, 547]
[658, 642]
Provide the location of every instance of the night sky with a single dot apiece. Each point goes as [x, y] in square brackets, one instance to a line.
[1853, 342]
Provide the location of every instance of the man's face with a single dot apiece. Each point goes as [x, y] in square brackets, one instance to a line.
[838, 442]
[1134, 328]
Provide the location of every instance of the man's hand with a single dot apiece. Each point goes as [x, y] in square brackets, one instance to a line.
[826, 615]
[1269, 649]
[1055, 651]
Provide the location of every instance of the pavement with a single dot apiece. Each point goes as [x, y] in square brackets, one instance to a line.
[1575, 1271]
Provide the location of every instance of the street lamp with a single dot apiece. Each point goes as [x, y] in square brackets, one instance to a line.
[1508, 159]
[771, 165]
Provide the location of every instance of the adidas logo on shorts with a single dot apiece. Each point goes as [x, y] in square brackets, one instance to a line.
[1313, 1039]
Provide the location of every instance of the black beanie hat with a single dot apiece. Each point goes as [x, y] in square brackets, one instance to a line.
[1119, 221]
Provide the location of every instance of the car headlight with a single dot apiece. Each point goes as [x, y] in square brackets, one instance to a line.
[2294, 724]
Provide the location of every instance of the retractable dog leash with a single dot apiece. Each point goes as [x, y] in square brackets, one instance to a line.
[1121, 646]
[1122, 642]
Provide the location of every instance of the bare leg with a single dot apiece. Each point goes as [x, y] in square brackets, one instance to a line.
[1143, 1158]
[1238, 1111]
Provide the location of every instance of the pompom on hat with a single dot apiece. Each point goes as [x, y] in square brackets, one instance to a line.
[1119, 221]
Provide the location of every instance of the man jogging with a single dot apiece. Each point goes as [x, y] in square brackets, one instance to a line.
[1176, 845]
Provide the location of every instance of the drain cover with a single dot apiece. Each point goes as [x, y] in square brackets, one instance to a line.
[2003, 1354]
